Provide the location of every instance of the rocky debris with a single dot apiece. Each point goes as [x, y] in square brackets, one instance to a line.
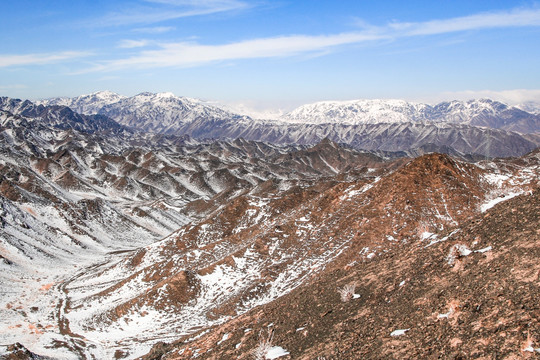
[412, 303]
[358, 220]
[18, 352]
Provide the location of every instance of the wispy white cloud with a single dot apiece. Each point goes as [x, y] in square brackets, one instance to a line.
[207, 3]
[108, 78]
[39, 59]
[193, 54]
[513, 18]
[170, 9]
[154, 29]
[186, 54]
[13, 87]
[130, 44]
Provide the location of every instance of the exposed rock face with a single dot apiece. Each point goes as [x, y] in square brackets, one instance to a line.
[420, 300]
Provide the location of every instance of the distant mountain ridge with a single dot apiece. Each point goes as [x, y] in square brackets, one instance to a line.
[169, 111]
[160, 113]
[58, 116]
[484, 127]
[86, 104]
[482, 112]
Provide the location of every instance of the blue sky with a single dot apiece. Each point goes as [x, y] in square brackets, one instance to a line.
[272, 53]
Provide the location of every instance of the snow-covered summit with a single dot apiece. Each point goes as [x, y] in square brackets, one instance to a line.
[465, 111]
[155, 112]
[356, 112]
[479, 112]
[89, 104]
[161, 112]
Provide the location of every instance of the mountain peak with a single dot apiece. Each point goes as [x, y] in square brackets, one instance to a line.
[328, 142]
[166, 95]
[104, 93]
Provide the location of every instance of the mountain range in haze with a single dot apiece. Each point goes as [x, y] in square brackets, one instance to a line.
[482, 112]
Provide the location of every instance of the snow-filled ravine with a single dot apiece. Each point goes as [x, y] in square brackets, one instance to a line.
[42, 251]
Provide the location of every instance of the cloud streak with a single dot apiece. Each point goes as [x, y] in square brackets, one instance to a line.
[169, 10]
[154, 30]
[513, 18]
[191, 54]
[194, 54]
[130, 44]
[39, 59]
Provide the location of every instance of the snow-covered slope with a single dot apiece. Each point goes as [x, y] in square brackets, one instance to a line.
[162, 113]
[356, 112]
[86, 104]
[486, 113]
[481, 112]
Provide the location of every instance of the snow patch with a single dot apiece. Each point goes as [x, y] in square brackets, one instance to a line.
[486, 249]
[446, 315]
[224, 338]
[276, 352]
[491, 203]
[399, 332]
[457, 251]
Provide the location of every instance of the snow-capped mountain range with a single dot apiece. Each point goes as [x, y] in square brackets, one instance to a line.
[482, 127]
[166, 113]
[356, 112]
[482, 112]
[401, 137]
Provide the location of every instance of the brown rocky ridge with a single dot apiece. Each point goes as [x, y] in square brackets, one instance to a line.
[470, 290]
